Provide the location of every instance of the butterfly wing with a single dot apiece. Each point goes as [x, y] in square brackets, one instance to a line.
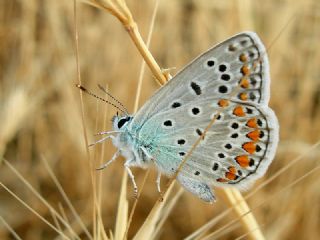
[240, 60]
[232, 80]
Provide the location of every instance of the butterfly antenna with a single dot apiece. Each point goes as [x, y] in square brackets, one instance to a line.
[82, 88]
[116, 100]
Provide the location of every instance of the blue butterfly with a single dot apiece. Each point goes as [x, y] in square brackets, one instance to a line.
[240, 145]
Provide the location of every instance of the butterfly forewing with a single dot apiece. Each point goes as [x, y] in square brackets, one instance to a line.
[238, 61]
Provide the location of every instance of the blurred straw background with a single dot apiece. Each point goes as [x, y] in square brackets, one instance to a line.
[41, 117]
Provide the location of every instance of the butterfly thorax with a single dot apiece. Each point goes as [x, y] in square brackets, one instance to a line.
[128, 142]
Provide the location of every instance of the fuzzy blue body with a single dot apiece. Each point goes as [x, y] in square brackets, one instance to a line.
[139, 147]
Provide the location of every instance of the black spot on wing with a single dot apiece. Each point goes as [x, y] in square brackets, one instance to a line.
[196, 88]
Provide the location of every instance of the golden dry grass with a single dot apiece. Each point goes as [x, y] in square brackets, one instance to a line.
[41, 133]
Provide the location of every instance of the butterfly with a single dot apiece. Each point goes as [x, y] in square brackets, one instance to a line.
[230, 83]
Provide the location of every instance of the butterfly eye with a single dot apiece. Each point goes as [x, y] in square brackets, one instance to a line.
[122, 121]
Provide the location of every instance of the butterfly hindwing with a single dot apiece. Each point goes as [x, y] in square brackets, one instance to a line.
[235, 150]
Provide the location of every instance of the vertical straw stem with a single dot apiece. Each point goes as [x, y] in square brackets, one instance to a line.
[93, 179]
[242, 210]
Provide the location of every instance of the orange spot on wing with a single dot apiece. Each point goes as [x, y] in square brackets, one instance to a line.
[232, 169]
[250, 147]
[252, 123]
[238, 111]
[254, 135]
[243, 58]
[243, 160]
[243, 96]
[245, 70]
[222, 180]
[244, 83]
[231, 176]
[223, 103]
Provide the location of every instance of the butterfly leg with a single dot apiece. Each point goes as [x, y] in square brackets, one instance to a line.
[107, 132]
[135, 188]
[114, 157]
[200, 189]
[101, 140]
[145, 151]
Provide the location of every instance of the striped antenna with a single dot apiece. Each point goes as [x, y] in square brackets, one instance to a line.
[82, 88]
[116, 100]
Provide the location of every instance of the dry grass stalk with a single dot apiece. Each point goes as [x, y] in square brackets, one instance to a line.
[66, 199]
[241, 208]
[150, 224]
[6, 225]
[119, 9]
[33, 211]
[42, 199]
[122, 214]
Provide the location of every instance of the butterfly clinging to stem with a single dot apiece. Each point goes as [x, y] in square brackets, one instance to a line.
[228, 85]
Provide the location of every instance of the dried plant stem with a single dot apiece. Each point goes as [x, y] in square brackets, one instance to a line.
[166, 212]
[119, 9]
[101, 229]
[42, 199]
[138, 41]
[10, 229]
[35, 212]
[135, 204]
[149, 225]
[122, 212]
[240, 207]
[93, 179]
[66, 199]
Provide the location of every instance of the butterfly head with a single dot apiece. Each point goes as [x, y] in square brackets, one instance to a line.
[121, 122]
